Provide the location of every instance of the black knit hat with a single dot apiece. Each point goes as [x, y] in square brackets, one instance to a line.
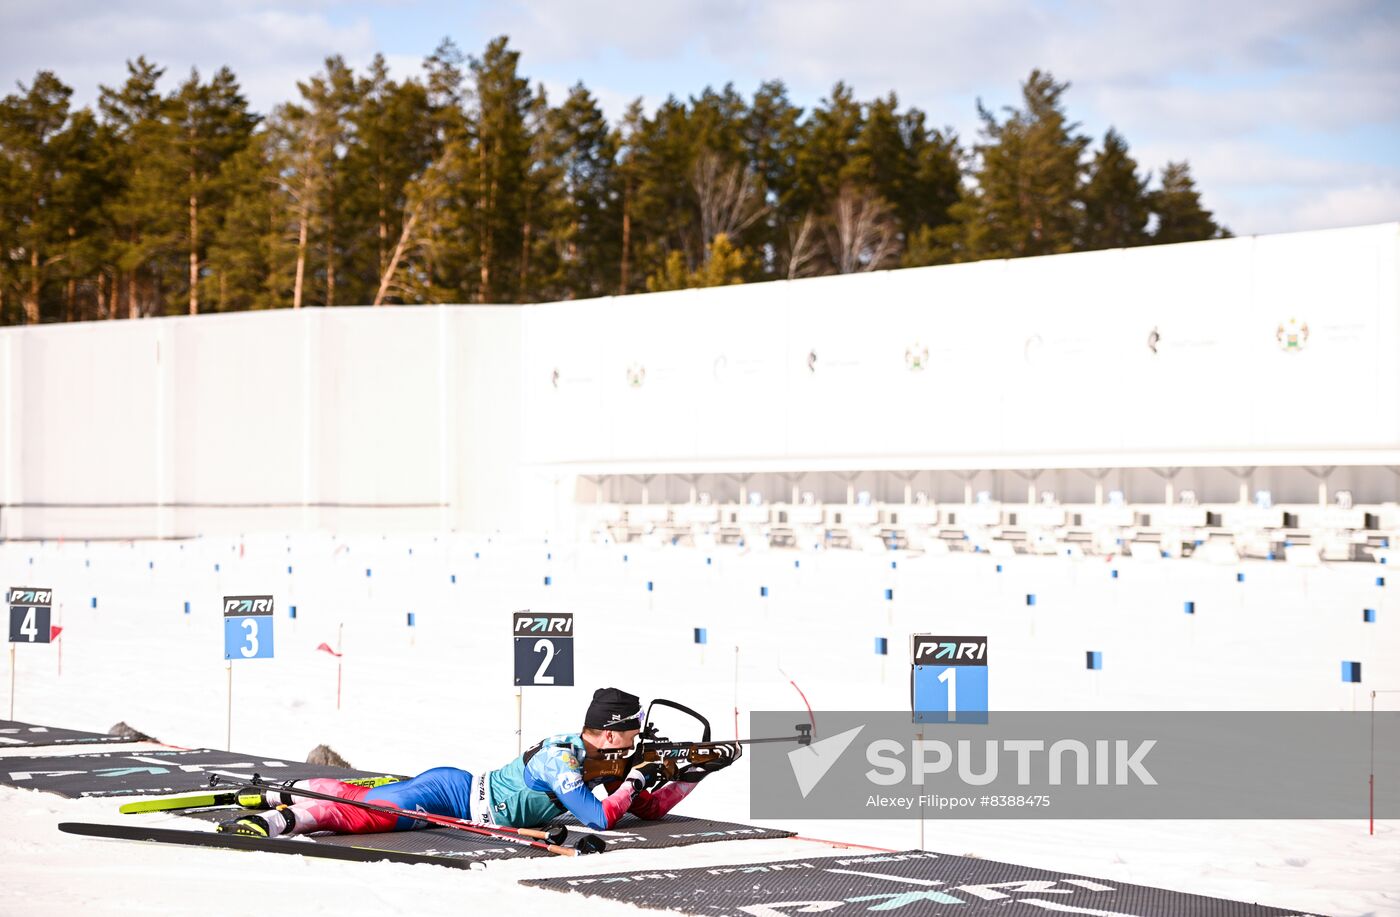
[615, 710]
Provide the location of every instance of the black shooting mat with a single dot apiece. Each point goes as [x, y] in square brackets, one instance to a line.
[912, 882]
[26, 735]
[631, 833]
[145, 773]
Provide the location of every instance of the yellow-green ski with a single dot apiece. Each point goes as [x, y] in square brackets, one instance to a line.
[242, 798]
[170, 803]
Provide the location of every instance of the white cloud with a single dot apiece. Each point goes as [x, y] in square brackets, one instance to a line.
[270, 46]
[1350, 205]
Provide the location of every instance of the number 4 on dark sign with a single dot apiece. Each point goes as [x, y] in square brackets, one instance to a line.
[30, 613]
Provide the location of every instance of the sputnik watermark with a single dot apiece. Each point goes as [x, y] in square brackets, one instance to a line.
[1115, 762]
[1075, 765]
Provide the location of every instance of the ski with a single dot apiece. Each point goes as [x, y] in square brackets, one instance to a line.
[174, 803]
[259, 844]
[213, 800]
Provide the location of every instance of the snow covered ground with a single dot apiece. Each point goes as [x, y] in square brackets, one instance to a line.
[441, 693]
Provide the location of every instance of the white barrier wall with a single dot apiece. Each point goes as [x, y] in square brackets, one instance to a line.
[1268, 350]
[1279, 350]
[348, 419]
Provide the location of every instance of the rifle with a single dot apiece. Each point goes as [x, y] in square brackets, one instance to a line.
[614, 764]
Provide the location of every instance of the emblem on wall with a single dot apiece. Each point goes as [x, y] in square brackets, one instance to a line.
[720, 368]
[554, 377]
[1032, 348]
[915, 357]
[1153, 339]
[1292, 335]
[811, 361]
[636, 375]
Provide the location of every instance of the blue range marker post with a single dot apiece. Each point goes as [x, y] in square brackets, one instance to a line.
[882, 646]
[1190, 608]
[1030, 599]
[948, 679]
[1351, 672]
[702, 636]
[1093, 659]
[1368, 616]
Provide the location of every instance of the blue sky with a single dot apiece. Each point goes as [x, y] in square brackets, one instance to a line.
[1289, 111]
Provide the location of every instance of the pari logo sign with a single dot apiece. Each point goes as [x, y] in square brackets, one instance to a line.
[544, 648]
[527, 624]
[948, 679]
[235, 605]
[248, 627]
[31, 612]
[27, 595]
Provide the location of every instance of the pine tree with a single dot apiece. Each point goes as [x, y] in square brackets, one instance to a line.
[76, 204]
[662, 215]
[503, 105]
[1177, 206]
[824, 160]
[32, 228]
[139, 151]
[392, 141]
[210, 124]
[308, 141]
[245, 252]
[1026, 200]
[772, 139]
[1115, 199]
[579, 152]
[724, 265]
[441, 256]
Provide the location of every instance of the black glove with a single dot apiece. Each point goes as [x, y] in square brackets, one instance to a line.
[723, 756]
[645, 776]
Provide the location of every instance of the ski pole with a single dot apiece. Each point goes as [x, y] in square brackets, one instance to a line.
[520, 836]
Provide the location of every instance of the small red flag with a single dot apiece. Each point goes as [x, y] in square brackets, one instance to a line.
[325, 648]
[54, 631]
